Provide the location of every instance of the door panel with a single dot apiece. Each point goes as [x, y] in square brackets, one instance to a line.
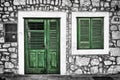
[53, 46]
[42, 46]
[32, 59]
[41, 59]
[53, 59]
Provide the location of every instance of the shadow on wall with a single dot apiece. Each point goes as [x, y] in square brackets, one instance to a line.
[103, 78]
[2, 78]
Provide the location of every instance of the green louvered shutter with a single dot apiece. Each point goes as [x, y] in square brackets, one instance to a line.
[97, 33]
[35, 46]
[83, 36]
[53, 51]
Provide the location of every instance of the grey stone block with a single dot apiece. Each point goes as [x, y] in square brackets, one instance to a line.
[6, 45]
[95, 3]
[108, 62]
[14, 44]
[8, 65]
[19, 2]
[118, 60]
[113, 27]
[1, 69]
[95, 62]
[13, 55]
[114, 69]
[82, 61]
[10, 9]
[115, 34]
[7, 4]
[1, 26]
[94, 69]
[118, 43]
[12, 49]
[115, 51]
[2, 50]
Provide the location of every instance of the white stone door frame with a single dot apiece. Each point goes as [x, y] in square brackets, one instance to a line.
[39, 14]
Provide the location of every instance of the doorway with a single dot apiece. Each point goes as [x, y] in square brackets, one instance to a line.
[42, 45]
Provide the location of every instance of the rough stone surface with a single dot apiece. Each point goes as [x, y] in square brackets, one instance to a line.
[0, 45]
[106, 4]
[1, 69]
[1, 62]
[112, 58]
[13, 44]
[6, 53]
[118, 43]
[95, 3]
[13, 55]
[113, 27]
[114, 69]
[14, 61]
[10, 9]
[79, 71]
[6, 45]
[118, 60]
[116, 35]
[7, 4]
[82, 61]
[2, 40]
[107, 62]
[115, 20]
[94, 70]
[11, 49]
[5, 58]
[3, 50]
[84, 2]
[1, 26]
[119, 27]
[115, 51]
[9, 65]
[73, 67]
[19, 2]
[95, 62]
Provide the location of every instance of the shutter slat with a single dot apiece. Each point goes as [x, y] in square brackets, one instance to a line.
[97, 33]
[83, 33]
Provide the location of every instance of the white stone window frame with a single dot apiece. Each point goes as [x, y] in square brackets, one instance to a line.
[76, 51]
[39, 14]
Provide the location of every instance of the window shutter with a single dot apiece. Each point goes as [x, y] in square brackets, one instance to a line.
[83, 36]
[35, 45]
[53, 45]
[97, 33]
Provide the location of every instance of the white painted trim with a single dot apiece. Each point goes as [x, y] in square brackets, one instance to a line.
[38, 14]
[74, 33]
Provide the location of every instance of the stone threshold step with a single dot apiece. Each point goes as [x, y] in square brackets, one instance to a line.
[60, 77]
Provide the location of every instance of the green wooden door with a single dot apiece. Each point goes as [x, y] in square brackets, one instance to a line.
[42, 46]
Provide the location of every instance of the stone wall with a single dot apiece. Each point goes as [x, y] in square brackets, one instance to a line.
[76, 64]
